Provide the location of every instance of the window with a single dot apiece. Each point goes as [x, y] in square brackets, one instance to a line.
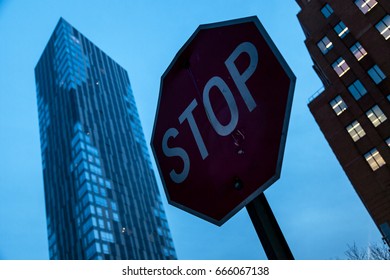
[376, 115]
[84, 176]
[102, 224]
[341, 29]
[92, 235]
[99, 211]
[100, 201]
[376, 74]
[357, 89]
[384, 27]
[325, 45]
[95, 169]
[388, 142]
[338, 105]
[374, 159]
[365, 5]
[87, 139]
[88, 224]
[83, 166]
[83, 189]
[78, 136]
[88, 211]
[95, 189]
[358, 51]
[106, 236]
[385, 229]
[92, 150]
[92, 250]
[327, 11]
[355, 130]
[115, 217]
[340, 66]
[105, 249]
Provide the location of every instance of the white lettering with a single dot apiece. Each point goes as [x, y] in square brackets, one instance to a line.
[176, 152]
[240, 79]
[221, 129]
[187, 115]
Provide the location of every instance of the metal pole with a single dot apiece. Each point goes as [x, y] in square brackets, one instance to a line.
[268, 230]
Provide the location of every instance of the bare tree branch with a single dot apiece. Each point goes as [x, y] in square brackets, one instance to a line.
[372, 252]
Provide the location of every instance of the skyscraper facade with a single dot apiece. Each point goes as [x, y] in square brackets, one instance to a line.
[349, 43]
[102, 199]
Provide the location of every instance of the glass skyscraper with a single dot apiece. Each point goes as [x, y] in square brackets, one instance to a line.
[102, 200]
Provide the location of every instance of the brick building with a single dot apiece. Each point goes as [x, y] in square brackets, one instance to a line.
[349, 43]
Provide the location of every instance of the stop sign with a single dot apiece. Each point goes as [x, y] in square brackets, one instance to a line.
[222, 119]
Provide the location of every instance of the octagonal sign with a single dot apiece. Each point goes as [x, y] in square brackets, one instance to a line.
[222, 119]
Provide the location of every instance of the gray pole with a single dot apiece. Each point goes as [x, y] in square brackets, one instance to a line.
[268, 230]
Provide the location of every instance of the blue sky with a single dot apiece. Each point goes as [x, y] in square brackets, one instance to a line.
[314, 203]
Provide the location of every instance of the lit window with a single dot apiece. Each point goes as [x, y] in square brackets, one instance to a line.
[357, 89]
[341, 29]
[338, 105]
[376, 74]
[355, 130]
[384, 27]
[358, 51]
[374, 159]
[365, 5]
[325, 45]
[376, 115]
[327, 10]
[340, 66]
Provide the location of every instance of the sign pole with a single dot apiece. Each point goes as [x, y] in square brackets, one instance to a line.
[268, 230]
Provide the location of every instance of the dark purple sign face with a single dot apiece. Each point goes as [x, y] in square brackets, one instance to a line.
[222, 119]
